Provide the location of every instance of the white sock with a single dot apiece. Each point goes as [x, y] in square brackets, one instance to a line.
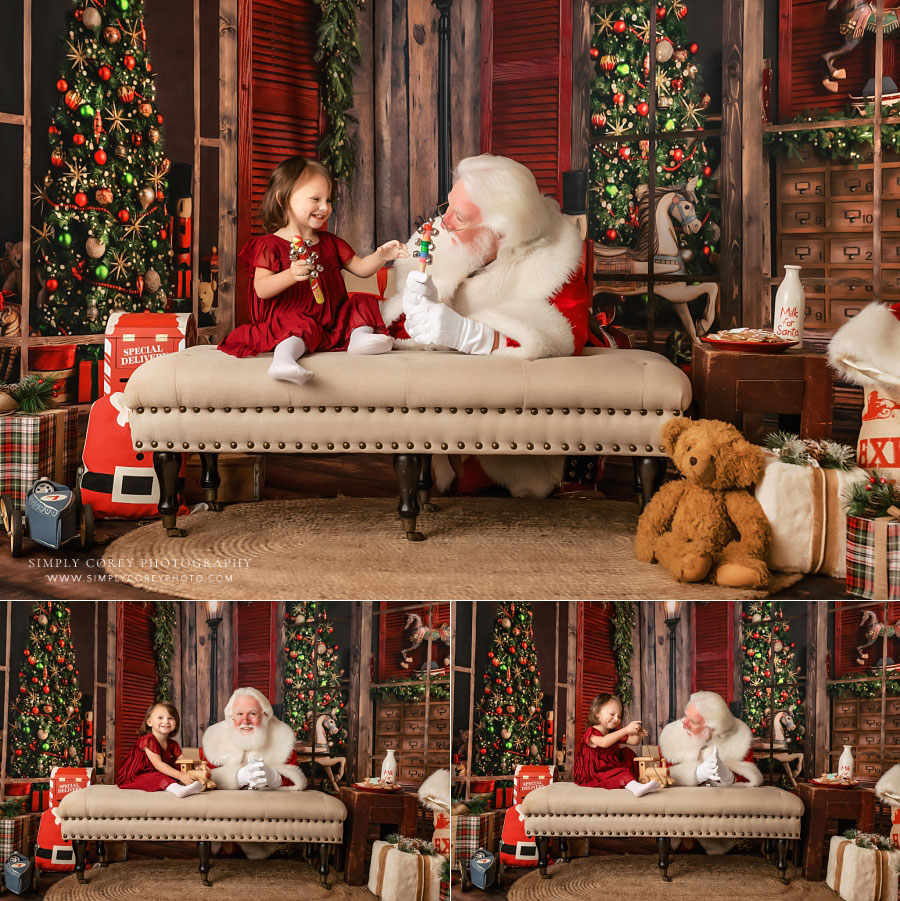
[285, 367]
[363, 340]
[182, 791]
[642, 788]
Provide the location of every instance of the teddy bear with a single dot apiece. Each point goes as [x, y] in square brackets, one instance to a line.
[709, 522]
[201, 774]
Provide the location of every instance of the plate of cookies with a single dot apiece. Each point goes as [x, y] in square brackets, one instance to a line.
[758, 340]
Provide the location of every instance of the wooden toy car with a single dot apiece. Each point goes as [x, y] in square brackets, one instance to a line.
[53, 516]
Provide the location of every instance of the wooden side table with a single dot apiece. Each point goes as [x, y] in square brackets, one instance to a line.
[730, 383]
[365, 808]
[822, 803]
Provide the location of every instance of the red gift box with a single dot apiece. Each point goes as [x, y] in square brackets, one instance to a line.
[482, 786]
[503, 795]
[88, 377]
[134, 338]
[529, 777]
[66, 779]
[39, 797]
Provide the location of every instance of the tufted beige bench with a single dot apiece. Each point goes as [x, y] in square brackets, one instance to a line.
[566, 810]
[408, 403]
[106, 813]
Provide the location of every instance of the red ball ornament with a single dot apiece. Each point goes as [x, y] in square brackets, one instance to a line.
[509, 689]
[46, 689]
[499, 711]
[707, 171]
[677, 154]
[598, 120]
[62, 86]
[707, 250]
[57, 718]
[123, 216]
[81, 199]
[625, 152]
[129, 61]
[52, 284]
[160, 194]
[52, 130]
[594, 52]
[660, 13]
[611, 235]
[643, 108]
[72, 98]
[677, 84]
[18, 752]
[149, 66]
[619, 99]
[694, 48]
[100, 156]
[159, 119]
[620, 26]
[746, 678]
[105, 73]
[78, 139]
[136, 139]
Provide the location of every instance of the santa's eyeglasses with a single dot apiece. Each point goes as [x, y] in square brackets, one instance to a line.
[442, 210]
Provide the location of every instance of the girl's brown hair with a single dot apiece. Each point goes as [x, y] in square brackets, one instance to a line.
[273, 209]
[170, 707]
[597, 705]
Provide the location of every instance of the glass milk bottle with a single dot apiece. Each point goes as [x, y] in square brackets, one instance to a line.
[389, 767]
[845, 764]
[790, 306]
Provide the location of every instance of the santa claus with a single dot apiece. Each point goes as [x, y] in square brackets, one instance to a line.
[253, 750]
[506, 279]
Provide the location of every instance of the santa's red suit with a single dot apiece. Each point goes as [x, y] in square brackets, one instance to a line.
[516, 848]
[536, 299]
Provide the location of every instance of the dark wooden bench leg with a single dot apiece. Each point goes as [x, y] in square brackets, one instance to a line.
[101, 854]
[782, 846]
[324, 857]
[80, 847]
[662, 847]
[407, 467]
[209, 479]
[543, 846]
[166, 465]
[204, 848]
[564, 849]
[649, 473]
[424, 486]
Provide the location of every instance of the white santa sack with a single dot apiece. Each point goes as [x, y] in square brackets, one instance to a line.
[861, 874]
[806, 508]
[434, 794]
[402, 876]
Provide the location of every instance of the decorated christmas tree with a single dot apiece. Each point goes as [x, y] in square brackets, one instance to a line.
[45, 728]
[620, 105]
[509, 731]
[769, 674]
[312, 675]
[103, 244]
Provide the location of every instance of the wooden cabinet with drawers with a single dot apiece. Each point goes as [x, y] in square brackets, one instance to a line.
[857, 722]
[400, 725]
[825, 213]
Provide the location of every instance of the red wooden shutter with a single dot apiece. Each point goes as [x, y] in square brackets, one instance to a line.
[807, 30]
[595, 660]
[257, 645]
[712, 657]
[848, 637]
[135, 672]
[526, 85]
[279, 114]
[393, 637]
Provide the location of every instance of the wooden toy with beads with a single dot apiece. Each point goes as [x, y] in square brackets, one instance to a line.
[428, 233]
[300, 251]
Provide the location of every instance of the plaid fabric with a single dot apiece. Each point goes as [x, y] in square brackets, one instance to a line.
[18, 834]
[28, 450]
[475, 831]
[445, 891]
[861, 558]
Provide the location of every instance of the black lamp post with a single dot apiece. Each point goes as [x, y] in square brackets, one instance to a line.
[673, 608]
[443, 98]
[213, 608]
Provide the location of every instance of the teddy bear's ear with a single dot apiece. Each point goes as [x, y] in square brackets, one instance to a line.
[744, 463]
[670, 432]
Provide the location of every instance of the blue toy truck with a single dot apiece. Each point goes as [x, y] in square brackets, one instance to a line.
[53, 516]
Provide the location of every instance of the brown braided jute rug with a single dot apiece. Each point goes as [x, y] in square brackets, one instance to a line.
[636, 878]
[232, 880]
[353, 548]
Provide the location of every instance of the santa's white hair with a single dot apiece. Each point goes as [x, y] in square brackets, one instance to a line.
[509, 199]
[714, 710]
[257, 696]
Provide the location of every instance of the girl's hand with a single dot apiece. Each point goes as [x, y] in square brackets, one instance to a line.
[187, 779]
[634, 728]
[393, 250]
[300, 270]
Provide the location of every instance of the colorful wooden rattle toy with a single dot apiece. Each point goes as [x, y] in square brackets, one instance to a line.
[428, 233]
[300, 251]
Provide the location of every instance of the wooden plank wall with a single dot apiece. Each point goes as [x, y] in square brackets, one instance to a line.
[395, 91]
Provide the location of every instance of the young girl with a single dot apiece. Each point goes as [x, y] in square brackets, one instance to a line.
[150, 766]
[601, 761]
[284, 313]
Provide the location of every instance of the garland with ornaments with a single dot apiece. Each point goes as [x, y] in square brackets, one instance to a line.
[337, 48]
[411, 690]
[799, 451]
[863, 688]
[877, 497]
[103, 242]
[46, 718]
[163, 619]
[623, 649]
[620, 107]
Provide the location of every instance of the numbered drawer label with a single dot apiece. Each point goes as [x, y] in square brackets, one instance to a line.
[850, 250]
[383, 744]
[414, 711]
[386, 727]
[858, 283]
[842, 311]
[815, 313]
[440, 711]
[844, 707]
[843, 737]
[414, 772]
[416, 743]
[870, 707]
[802, 251]
[799, 185]
[859, 215]
[414, 727]
[795, 216]
[844, 722]
[388, 713]
[890, 182]
[855, 183]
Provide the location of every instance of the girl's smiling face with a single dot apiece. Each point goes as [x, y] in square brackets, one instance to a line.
[309, 205]
[161, 721]
[610, 715]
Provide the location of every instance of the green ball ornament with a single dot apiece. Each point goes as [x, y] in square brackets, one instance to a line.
[623, 68]
[612, 190]
[101, 271]
[65, 239]
[154, 243]
[508, 746]
[128, 178]
[123, 5]
[670, 125]
[26, 730]
[46, 746]
[86, 110]
[699, 182]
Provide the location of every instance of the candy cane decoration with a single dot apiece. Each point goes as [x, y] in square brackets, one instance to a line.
[300, 251]
[428, 233]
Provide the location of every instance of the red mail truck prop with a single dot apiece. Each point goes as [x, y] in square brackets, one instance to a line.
[67, 779]
[134, 338]
[529, 777]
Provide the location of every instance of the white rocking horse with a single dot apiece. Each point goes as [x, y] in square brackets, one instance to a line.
[325, 726]
[872, 630]
[776, 749]
[675, 205]
[422, 633]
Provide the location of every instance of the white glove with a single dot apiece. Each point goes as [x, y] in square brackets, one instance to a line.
[435, 323]
[419, 286]
[256, 774]
[708, 771]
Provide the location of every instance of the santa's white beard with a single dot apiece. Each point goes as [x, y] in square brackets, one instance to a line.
[475, 253]
[251, 739]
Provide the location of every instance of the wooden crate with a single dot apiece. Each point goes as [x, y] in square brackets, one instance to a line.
[402, 727]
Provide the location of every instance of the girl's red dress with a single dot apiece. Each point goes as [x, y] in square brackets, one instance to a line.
[611, 767]
[136, 770]
[325, 326]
